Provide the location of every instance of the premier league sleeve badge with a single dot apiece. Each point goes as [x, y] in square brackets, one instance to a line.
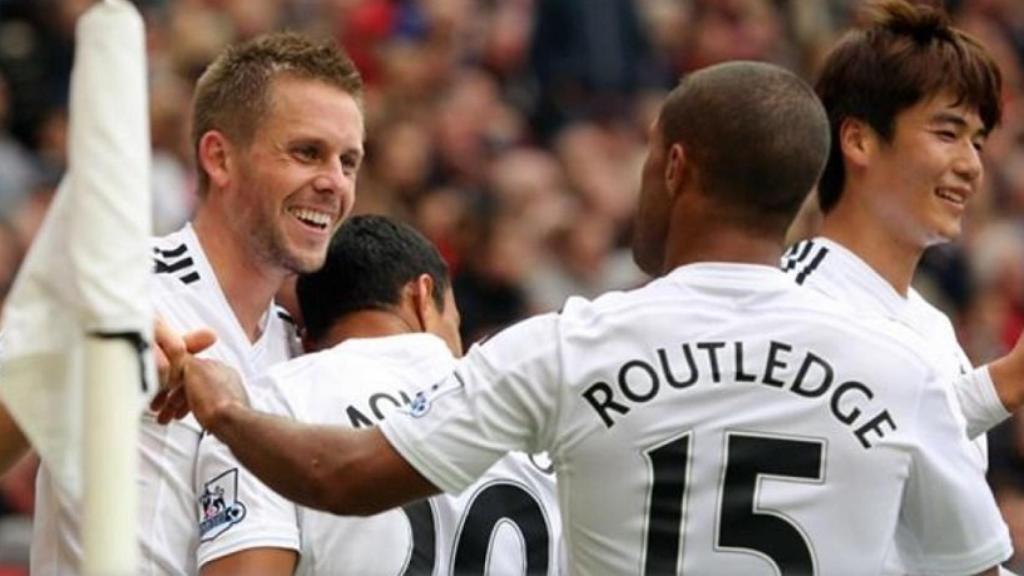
[219, 508]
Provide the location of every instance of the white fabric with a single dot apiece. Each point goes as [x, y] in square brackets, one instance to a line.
[830, 268]
[834, 270]
[87, 270]
[358, 383]
[528, 388]
[187, 295]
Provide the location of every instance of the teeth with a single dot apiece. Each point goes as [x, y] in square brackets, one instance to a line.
[951, 196]
[312, 217]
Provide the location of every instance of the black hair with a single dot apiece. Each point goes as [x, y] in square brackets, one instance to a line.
[370, 259]
[757, 135]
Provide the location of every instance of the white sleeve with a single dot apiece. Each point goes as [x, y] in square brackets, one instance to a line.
[236, 511]
[947, 506]
[502, 397]
[980, 402]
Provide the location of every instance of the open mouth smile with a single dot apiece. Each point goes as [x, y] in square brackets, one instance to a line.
[312, 218]
[953, 196]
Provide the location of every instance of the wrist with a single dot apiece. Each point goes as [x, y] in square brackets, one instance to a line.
[224, 416]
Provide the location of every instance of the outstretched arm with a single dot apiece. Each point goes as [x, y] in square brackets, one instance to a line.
[340, 470]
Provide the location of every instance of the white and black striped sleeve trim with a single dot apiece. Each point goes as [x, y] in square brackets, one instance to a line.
[175, 261]
[802, 259]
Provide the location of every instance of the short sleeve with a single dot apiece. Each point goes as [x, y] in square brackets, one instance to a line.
[980, 402]
[502, 397]
[236, 511]
[948, 510]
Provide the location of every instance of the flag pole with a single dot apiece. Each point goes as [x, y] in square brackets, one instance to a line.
[109, 168]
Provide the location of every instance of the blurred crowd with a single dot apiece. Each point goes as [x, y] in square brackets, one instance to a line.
[511, 132]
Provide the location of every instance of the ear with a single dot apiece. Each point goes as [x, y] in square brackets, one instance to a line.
[675, 169]
[857, 141]
[214, 155]
[422, 300]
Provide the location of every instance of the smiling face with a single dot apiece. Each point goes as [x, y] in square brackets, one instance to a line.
[919, 182]
[293, 185]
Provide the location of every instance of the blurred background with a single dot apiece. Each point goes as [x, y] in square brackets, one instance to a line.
[511, 132]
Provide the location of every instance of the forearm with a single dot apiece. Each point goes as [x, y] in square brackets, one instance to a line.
[13, 444]
[253, 562]
[341, 470]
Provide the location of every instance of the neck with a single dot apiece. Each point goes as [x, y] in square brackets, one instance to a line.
[248, 283]
[866, 235]
[709, 240]
[366, 324]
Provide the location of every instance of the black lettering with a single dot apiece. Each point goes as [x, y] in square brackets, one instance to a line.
[851, 416]
[601, 406]
[375, 404]
[356, 418]
[773, 363]
[624, 382]
[663, 356]
[826, 380]
[874, 425]
[712, 350]
[740, 375]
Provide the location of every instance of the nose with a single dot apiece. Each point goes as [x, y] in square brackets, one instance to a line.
[333, 178]
[968, 164]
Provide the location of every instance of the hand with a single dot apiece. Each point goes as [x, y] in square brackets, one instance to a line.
[213, 389]
[171, 351]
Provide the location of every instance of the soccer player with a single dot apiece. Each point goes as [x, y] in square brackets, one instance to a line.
[905, 164]
[278, 137]
[720, 420]
[910, 101]
[382, 314]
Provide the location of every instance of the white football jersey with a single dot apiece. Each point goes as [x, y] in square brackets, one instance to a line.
[187, 295]
[831, 268]
[505, 524]
[719, 420]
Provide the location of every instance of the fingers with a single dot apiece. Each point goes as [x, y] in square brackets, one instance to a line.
[172, 347]
[199, 340]
[175, 408]
[160, 400]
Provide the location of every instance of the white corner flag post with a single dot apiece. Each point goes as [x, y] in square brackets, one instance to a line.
[79, 318]
[110, 228]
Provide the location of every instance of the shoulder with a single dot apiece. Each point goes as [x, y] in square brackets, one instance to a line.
[176, 259]
[804, 259]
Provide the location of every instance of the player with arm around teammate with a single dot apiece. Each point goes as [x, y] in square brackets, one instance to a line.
[381, 317]
[719, 420]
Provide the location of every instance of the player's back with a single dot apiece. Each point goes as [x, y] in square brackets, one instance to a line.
[722, 421]
[506, 524]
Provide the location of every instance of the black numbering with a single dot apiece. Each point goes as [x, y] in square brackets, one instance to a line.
[422, 556]
[741, 526]
[495, 504]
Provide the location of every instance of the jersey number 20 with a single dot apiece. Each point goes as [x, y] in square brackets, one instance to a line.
[496, 503]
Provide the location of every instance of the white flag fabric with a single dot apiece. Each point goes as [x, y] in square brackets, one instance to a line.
[88, 270]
